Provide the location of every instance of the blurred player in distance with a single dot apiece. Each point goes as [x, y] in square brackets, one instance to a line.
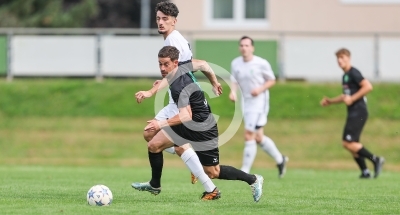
[255, 77]
[355, 88]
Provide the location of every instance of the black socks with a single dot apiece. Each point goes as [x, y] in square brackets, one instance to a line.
[363, 152]
[361, 163]
[231, 173]
[156, 163]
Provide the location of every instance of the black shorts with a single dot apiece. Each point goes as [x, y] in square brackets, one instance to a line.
[204, 143]
[354, 125]
[209, 158]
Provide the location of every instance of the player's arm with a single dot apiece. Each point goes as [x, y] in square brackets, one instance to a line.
[234, 87]
[206, 69]
[157, 86]
[185, 115]
[269, 78]
[366, 87]
[268, 84]
[328, 101]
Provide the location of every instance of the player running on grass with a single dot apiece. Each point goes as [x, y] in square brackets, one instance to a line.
[194, 124]
[355, 87]
[166, 21]
[254, 76]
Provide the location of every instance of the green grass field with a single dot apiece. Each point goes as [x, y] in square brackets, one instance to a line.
[60, 137]
[62, 190]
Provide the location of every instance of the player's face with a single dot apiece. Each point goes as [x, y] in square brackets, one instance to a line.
[166, 66]
[246, 48]
[165, 23]
[344, 62]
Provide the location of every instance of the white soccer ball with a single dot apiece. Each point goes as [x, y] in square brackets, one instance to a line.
[99, 195]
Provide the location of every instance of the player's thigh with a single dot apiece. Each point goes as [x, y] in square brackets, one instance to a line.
[159, 142]
[167, 112]
[210, 161]
[353, 127]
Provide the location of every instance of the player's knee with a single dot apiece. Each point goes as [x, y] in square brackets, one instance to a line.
[148, 135]
[212, 172]
[249, 135]
[179, 150]
[259, 138]
[346, 144]
[154, 147]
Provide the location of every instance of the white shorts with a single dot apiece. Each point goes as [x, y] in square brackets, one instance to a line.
[167, 112]
[253, 121]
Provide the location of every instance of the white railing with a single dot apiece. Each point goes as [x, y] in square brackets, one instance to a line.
[131, 52]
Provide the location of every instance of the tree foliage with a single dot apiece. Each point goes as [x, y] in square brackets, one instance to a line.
[47, 13]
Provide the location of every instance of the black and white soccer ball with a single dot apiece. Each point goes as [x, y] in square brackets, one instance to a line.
[99, 195]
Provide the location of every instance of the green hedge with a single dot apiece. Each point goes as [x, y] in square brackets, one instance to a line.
[115, 98]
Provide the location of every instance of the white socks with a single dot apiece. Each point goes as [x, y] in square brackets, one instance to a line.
[193, 163]
[249, 153]
[170, 150]
[269, 147]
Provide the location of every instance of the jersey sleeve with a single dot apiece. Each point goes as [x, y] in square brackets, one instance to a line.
[267, 72]
[356, 76]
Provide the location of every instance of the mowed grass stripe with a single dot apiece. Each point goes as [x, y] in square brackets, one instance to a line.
[62, 190]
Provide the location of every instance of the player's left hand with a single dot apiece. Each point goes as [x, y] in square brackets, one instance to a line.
[141, 95]
[347, 100]
[255, 92]
[152, 125]
[217, 89]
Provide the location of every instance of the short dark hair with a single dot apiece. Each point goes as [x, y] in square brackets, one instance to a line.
[343, 51]
[247, 37]
[169, 52]
[167, 8]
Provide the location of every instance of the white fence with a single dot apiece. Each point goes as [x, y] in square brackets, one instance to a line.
[301, 56]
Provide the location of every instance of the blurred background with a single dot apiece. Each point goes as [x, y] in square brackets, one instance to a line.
[54, 112]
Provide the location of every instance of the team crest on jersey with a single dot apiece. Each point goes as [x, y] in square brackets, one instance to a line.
[346, 78]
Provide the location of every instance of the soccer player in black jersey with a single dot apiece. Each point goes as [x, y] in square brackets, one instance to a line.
[195, 124]
[355, 87]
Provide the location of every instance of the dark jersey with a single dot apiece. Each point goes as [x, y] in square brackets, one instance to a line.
[202, 130]
[186, 91]
[351, 84]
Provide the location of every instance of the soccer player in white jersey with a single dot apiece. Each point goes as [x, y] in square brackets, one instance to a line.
[254, 76]
[166, 20]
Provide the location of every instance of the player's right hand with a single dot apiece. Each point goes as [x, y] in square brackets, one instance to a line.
[141, 95]
[325, 101]
[232, 96]
[217, 89]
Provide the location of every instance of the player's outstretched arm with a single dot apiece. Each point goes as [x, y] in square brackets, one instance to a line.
[157, 86]
[206, 69]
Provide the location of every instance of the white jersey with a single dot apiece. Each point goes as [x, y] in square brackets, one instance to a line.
[185, 53]
[249, 76]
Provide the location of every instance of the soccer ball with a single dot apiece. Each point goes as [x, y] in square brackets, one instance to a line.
[99, 195]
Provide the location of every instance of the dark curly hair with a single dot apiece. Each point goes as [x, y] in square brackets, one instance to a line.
[167, 8]
[169, 52]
